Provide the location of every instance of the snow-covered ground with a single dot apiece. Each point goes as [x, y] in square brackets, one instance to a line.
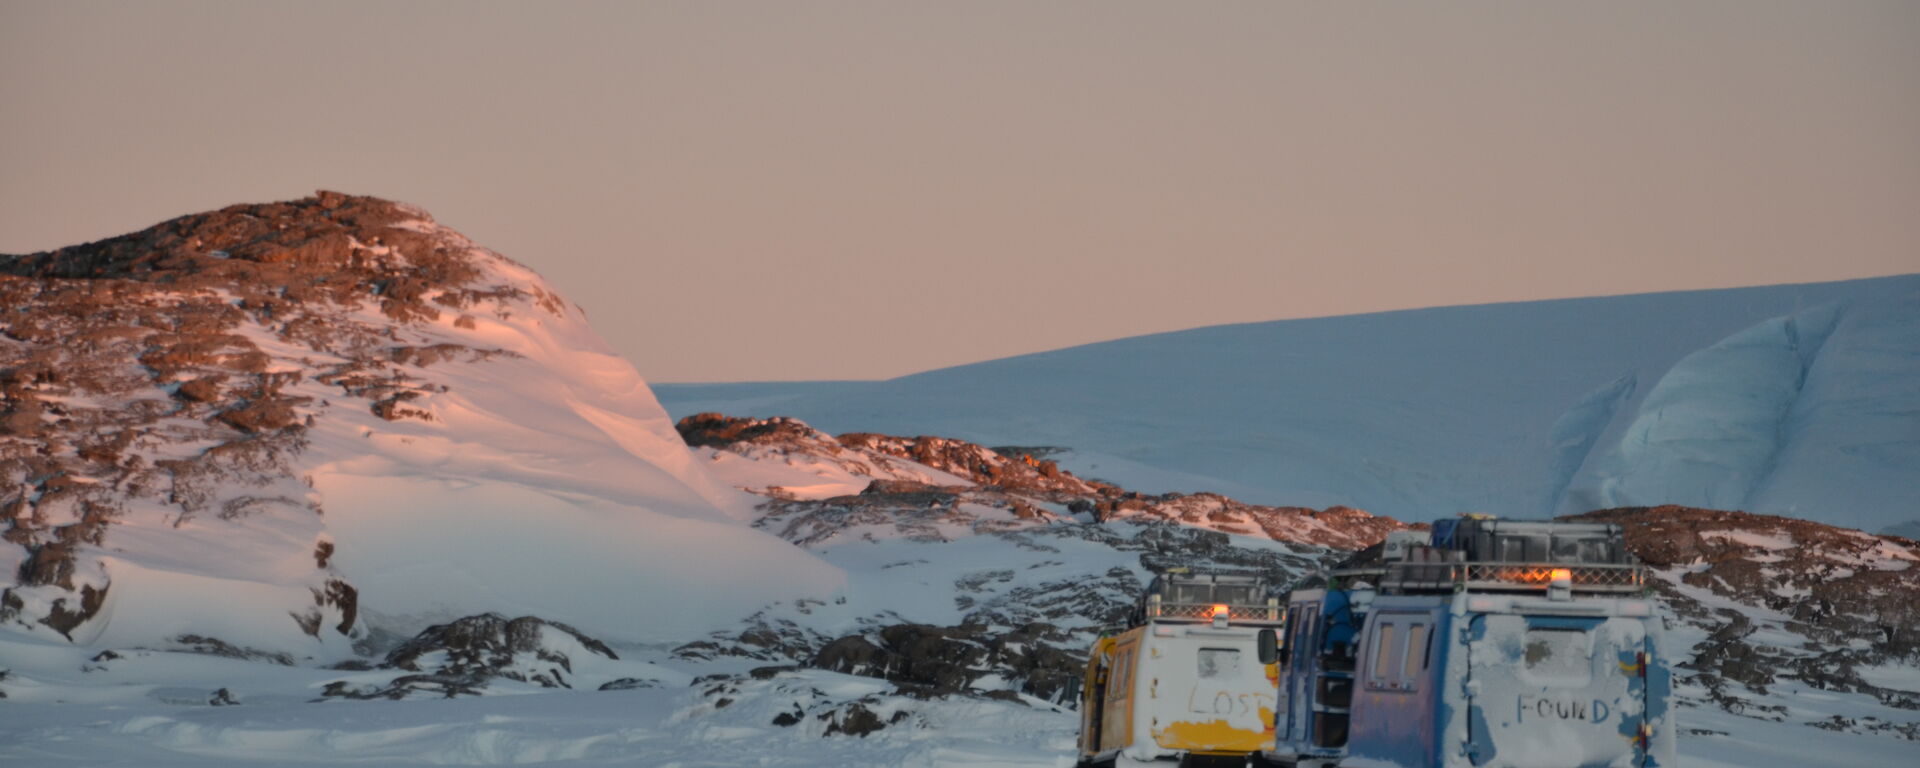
[1776, 400]
[151, 708]
[70, 705]
[678, 726]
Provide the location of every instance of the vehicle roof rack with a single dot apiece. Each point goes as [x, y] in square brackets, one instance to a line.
[1192, 595]
[1492, 555]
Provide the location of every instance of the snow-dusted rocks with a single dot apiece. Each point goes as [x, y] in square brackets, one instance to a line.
[992, 582]
[821, 486]
[785, 458]
[1785, 620]
[463, 657]
[277, 426]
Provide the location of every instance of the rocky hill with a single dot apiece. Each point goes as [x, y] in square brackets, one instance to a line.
[288, 404]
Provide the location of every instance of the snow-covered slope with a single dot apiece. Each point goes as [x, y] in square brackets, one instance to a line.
[1794, 399]
[289, 427]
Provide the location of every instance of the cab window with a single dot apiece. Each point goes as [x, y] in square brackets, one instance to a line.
[1383, 654]
[1192, 593]
[1400, 650]
[1219, 662]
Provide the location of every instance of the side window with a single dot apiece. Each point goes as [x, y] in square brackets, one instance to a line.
[1303, 646]
[1416, 661]
[1316, 633]
[1382, 654]
[1117, 683]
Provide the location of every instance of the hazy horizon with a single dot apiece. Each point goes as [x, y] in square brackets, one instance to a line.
[779, 192]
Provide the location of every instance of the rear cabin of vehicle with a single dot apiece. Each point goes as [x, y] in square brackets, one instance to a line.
[1489, 644]
[1184, 682]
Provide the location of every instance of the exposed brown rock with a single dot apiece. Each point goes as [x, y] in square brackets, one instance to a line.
[264, 415]
[202, 390]
[715, 430]
[64, 617]
[343, 597]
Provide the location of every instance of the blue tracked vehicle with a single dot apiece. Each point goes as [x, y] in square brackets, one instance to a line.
[1482, 644]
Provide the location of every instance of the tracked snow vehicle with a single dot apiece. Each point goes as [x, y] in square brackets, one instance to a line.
[1483, 644]
[1185, 681]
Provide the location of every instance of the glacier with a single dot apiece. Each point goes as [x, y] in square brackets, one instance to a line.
[1523, 409]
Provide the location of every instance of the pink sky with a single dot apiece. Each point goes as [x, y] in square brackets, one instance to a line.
[741, 191]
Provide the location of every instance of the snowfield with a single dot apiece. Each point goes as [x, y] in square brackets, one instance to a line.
[664, 728]
[150, 708]
[660, 727]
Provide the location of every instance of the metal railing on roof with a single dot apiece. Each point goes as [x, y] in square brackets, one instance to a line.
[1605, 578]
[1269, 612]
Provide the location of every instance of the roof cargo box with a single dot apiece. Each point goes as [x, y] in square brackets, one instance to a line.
[1533, 541]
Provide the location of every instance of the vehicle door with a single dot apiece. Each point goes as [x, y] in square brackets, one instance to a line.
[1302, 669]
[1551, 690]
[1284, 667]
[1116, 726]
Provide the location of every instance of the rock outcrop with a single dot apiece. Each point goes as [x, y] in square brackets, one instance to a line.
[920, 480]
[462, 657]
